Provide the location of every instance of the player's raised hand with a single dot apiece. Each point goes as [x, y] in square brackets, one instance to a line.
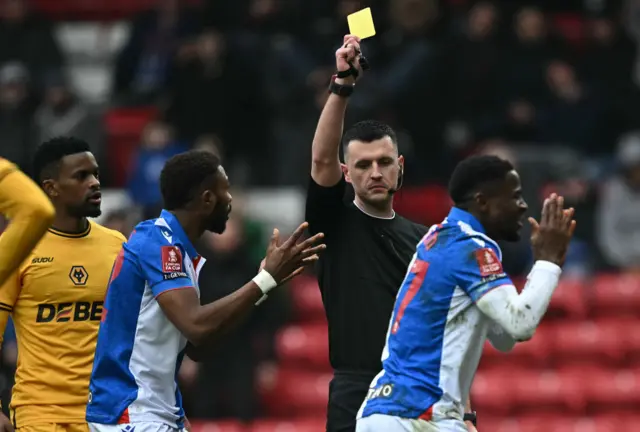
[349, 55]
[551, 237]
[287, 260]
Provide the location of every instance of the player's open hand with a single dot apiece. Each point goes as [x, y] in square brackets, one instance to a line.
[349, 55]
[551, 237]
[287, 260]
[5, 424]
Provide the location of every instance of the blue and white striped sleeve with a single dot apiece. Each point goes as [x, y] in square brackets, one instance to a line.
[477, 268]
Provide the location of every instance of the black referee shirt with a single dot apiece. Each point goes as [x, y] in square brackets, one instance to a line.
[359, 273]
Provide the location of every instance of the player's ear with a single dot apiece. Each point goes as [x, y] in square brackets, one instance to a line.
[209, 198]
[345, 171]
[49, 187]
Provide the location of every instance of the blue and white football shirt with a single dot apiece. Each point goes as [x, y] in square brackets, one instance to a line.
[139, 351]
[437, 333]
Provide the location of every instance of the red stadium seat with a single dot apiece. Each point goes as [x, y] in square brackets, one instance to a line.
[569, 299]
[217, 426]
[124, 127]
[589, 340]
[294, 392]
[491, 390]
[616, 294]
[293, 425]
[304, 345]
[612, 388]
[427, 205]
[534, 351]
[307, 300]
[548, 390]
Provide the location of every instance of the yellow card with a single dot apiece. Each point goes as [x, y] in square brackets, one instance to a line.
[361, 24]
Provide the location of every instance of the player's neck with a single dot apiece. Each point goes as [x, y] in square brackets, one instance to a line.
[69, 224]
[190, 224]
[384, 211]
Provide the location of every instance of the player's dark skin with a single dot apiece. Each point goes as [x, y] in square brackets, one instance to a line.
[202, 325]
[500, 207]
[75, 192]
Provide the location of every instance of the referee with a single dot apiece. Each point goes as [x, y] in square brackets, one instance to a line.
[369, 246]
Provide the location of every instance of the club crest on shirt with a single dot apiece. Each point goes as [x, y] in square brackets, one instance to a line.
[171, 259]
[488, 262]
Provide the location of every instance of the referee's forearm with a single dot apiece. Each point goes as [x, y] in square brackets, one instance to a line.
[326, 141]
[214, 319]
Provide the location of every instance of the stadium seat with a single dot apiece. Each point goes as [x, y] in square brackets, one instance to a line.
[570, 26]
[548, 390]
[217, 426]
[534, 351]
[614, 295]
[293, 425]
[427, 205]
[307, 301]
[294, 392]
[590, 340]
[491, 390]
[304, 345]
[569, 299]
[123, 127]
[612, 389]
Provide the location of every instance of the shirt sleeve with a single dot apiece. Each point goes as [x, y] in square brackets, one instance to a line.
[30, 213]
[164, 269]
[324, 206]
[478, 269]
[9, 293]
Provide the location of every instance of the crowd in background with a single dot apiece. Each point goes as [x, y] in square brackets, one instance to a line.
[552, 86]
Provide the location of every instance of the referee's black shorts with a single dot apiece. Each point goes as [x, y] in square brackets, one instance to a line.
[347, 391]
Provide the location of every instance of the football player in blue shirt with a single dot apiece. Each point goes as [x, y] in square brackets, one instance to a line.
[152, 312]
[456, 295]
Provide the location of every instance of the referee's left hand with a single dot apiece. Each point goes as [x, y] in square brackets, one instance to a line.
[470, 427]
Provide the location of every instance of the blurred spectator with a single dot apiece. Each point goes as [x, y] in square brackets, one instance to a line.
[232, 371]
[618, 221]
[120, 221]
[157, 146]
[16, 111]
[63, 114]
[524, 59]
[29, 39]
[609, 57]
[142, 66]
[574, 114]
[473, 61]
[215, 92]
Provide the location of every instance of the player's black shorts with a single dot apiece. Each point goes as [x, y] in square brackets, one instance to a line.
[347, 391]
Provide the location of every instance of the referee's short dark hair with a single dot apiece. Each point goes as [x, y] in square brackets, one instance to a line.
[46, 161]
[473, 173]
[182, 177]
[368, 131]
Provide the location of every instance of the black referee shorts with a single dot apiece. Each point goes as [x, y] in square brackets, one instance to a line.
[347, 391]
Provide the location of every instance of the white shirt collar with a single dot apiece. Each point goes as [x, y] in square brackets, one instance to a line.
[373, 216]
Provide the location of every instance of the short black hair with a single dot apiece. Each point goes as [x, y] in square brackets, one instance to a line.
[474, 172]
[368, 131]
[46, 161]
[183, 175]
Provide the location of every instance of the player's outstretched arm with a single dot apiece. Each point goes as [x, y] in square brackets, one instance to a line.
[203, 324]
[520, 314]
[30, 212]
[325, 151]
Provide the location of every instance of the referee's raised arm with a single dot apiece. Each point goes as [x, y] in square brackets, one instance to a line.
[325, 152]
[327, 186]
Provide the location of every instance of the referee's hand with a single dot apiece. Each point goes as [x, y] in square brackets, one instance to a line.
[287, 260]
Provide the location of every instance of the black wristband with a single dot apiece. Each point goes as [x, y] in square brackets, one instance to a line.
[340, 89]
[471, 417]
